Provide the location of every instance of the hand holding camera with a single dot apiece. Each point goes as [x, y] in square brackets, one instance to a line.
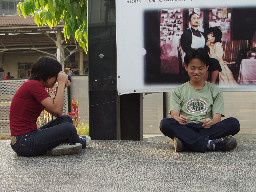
[64, 78]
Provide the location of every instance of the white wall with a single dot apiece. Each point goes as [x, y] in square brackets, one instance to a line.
[10, 62]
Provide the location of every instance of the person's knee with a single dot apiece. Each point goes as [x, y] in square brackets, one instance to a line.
[69, 127]
[67, 118]
[165, 124]
[235, 124]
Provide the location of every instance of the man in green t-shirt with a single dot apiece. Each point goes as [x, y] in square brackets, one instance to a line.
[196, 109]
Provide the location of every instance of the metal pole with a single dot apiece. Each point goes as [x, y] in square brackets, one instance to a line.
[164, 105]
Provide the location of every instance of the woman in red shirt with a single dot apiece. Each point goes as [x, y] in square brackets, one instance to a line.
[27, 104]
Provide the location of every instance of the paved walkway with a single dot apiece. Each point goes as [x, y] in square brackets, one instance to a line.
[131, 166]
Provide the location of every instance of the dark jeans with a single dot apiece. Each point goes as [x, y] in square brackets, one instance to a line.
[61, 130]
[194, 136]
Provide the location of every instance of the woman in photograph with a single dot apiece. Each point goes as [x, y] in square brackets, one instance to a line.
[214, 43]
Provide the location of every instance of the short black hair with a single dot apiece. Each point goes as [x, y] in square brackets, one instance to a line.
[45, 68]
[200, 54]
[216, 33]
[193, 13]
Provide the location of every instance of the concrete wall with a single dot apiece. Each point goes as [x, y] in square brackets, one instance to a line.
[10, 62]
[152, 112]
[242, 105]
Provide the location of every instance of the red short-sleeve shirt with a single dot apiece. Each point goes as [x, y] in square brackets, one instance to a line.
[26, 107]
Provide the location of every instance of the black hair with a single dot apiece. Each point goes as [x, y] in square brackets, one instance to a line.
[45, 68]
[200, 54]
[193, 13]
[216, 33]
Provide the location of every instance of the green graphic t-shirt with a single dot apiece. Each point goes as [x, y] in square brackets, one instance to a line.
[197, 104]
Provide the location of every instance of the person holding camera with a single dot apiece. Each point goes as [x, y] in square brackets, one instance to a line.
[27, 104]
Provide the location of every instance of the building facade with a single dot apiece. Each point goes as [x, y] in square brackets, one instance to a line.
[22, 42]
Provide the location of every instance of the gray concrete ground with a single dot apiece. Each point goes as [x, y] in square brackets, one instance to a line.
[150, 165]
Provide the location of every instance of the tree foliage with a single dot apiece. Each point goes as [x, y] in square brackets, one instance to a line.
[73, 13]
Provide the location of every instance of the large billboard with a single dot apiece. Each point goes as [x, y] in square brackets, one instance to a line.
[154, 35]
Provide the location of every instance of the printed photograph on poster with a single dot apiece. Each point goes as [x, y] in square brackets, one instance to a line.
[227, 33]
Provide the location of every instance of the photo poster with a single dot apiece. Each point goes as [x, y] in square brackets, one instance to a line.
[150, 42]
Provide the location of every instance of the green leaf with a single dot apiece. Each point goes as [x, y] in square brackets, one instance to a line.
[49, 19]
[67, 32]
[50, 5]
[43, 17]
[33, 6]
[18, 8]
[27, 8]
[51, 12]
[77, 9]
[58, 16]
[37, 19]
[54, 4]
[41, 3]
[67, 3]
[37, 5]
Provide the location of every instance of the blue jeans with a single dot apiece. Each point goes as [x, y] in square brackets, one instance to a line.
[35, 143]
[194, 136]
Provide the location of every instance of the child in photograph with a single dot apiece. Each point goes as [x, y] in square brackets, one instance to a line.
[27, 104]
[214, 36]
[196, 108]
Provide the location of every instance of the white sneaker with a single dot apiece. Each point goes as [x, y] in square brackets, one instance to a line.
[67, 149]
[86, 138]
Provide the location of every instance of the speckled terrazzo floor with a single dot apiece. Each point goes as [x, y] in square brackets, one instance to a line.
[131, 166]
